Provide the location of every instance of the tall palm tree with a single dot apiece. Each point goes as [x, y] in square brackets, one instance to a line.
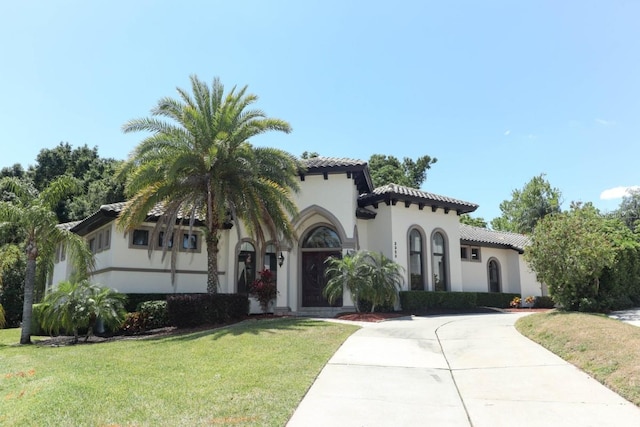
[33, 214]
[200, 166]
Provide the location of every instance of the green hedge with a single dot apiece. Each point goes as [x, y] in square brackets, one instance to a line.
[494, 299]
[420, 301]
[416, 301]
[189, 310]
[134, 300]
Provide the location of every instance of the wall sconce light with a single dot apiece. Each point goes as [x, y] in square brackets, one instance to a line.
[281, 259]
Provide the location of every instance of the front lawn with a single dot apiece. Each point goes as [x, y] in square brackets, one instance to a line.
[606, 349]
[253, 373]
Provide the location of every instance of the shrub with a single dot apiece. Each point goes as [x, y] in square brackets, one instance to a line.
[264, 289]
[515, 302]
[155, 312]
[189, 310]
[544, 302]
[36, 319]
[134, 323]
[494, 299]
[588, 305]
[134, 300]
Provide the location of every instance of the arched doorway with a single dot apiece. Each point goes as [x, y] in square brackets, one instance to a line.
[319, 244]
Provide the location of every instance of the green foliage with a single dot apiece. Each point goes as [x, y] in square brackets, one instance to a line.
[410, 173]
[3, 321]
[620, 283]
[629, 210]
[135, 300]
[12, 274]
[135, 323]
[200, 164]
[74, 306]
[494, 299]
[475, 222]
[421, 301]
[189, 310]
[156, 314]
[544, 302]
[97, 180]
[31, 212]
[536, 200]
[569, 252]
[368, 276]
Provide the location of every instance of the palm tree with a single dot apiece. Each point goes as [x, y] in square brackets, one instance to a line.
[77, 305]
[200, 167]
[385, 280]
[348, 272]
[368, 276]
[33, 214]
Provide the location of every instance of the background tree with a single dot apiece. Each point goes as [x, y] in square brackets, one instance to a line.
[569, 252]
[476, 222]
[536, 200]
[32, 212]
[629, 210]
[97, 178]
[410, 173]
[200, 163]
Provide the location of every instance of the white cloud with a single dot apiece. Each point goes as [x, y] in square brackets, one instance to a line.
[507, 132]
[617, 192]
[605, 122]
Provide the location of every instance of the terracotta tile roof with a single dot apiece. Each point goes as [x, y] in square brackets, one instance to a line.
[479, 235]
[68, 225]
[397, 192]
[356, 169]
[332, 162]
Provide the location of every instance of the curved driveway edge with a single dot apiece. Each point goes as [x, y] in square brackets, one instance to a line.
[467, 370]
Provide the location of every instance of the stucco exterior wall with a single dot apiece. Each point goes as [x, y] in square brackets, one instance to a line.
[529, 282]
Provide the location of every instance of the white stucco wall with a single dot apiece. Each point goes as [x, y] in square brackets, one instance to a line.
[529, 282]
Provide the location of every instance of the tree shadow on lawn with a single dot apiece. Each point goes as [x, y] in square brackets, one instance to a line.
[250, 326]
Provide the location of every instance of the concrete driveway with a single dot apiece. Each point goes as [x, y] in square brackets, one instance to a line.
[468, 370]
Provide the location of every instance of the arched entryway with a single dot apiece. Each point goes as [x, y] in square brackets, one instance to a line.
[318, 244]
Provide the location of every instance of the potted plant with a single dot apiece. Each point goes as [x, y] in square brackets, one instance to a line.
[264, 289]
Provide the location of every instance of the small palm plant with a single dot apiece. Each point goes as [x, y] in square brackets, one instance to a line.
[75, 306]
[368, 276]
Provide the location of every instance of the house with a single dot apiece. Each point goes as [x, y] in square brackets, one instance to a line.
[339, 212]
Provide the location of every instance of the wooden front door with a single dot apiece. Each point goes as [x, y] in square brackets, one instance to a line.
[314, 280]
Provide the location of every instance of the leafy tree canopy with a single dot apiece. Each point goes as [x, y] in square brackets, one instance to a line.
[410, 173]
[96, 176]
[476, 222]
[536, 200]
[569, 252]
[629, 210]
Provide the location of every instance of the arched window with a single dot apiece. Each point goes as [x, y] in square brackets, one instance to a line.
[493, 271]
[416, 261]
[439, 259]
[322, 237]
[246, 267]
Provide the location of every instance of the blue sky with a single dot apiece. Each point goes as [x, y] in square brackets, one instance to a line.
[498, 91]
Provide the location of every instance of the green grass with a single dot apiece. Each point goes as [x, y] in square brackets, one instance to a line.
[606, 349]
[253, 373]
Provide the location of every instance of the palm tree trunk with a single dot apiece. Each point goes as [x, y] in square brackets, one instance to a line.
[27, 308]
[213, 281]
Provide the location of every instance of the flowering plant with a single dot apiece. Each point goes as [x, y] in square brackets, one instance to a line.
[264, 288]
[530, 300]
[515, 303]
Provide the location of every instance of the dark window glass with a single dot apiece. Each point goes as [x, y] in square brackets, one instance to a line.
[140, 238]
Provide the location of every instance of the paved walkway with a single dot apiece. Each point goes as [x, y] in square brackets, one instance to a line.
[471, 370]
[631, 316]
